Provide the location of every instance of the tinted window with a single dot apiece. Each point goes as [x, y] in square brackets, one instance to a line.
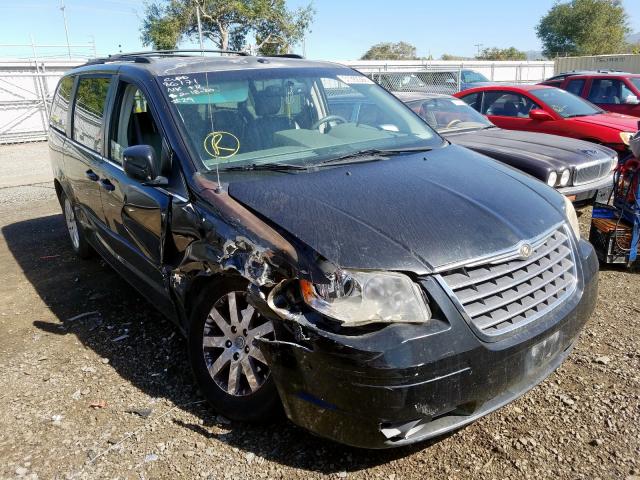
[564, 103]
[575, 86]
[133, 124]
[507, 104]
[60, 105]
[608, 91]
[445, 113]
[471, 76]
[472, 100]
[636, 82]
[88, 112]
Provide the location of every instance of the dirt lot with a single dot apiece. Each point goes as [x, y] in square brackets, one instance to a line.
[110, 395]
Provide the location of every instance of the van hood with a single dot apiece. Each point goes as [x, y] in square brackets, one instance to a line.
[619, 121]
[551, 151]
[411, 213]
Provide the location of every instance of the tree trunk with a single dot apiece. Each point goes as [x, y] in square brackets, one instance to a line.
[224, 39]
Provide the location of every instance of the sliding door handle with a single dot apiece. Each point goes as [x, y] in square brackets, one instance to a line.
[107, 185]
[91, 175]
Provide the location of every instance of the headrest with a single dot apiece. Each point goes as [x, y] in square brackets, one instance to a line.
[269, 101]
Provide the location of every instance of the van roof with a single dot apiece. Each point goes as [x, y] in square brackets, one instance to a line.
[175, 62]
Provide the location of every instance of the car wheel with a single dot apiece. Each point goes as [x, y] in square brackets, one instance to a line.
[76, 233]
[226, 361]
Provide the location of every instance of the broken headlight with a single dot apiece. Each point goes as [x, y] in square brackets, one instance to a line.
[357, 298]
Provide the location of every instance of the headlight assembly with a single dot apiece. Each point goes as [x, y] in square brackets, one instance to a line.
[552, 179]
[572, 217]
[626, 137]
[565, 177]
[358, 298]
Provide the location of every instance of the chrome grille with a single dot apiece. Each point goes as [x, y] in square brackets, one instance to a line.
[592, 171]
[507, 293]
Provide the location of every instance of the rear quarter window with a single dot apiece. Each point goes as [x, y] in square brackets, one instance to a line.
[88, 112]
[575, 86]
[60, 104]
[473, 100]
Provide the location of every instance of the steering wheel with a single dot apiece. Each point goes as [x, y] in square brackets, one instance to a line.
[453, 122]
[327, 119]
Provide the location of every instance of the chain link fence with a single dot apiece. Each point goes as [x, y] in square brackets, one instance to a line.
[450, 77]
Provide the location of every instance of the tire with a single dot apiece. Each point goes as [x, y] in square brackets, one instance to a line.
[76, 233]
[230, 371]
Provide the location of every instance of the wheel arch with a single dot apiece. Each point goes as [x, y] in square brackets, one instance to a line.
[204, 284]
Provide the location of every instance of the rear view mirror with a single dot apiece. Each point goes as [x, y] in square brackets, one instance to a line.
[540, 115]
[141, 163]
[631, 100]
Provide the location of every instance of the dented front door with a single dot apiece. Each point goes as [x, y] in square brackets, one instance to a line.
[135, 215]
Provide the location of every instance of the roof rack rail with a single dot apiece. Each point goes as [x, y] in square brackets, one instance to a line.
[145, 56]
[286, 55]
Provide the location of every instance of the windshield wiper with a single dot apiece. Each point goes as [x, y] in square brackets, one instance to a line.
[582, 115]
[372, 154]
[256, 167]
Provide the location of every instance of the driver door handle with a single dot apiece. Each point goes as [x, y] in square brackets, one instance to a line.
[91, 175]
[107, 185]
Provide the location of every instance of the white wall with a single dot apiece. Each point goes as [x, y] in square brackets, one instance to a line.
[503, 71]
[25, 95]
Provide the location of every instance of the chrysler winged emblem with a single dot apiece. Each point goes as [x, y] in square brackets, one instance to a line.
[525, 250]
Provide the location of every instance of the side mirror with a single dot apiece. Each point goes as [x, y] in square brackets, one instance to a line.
[141, 164]
[631, 100]
[540, 115]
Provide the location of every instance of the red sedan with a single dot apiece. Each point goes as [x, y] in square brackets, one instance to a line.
[539, 108]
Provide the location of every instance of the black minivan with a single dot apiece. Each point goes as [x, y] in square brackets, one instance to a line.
[379, 283]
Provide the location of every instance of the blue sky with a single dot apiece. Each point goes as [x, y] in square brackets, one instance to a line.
[342, 30]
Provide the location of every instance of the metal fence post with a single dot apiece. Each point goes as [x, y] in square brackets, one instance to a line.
[38, 88]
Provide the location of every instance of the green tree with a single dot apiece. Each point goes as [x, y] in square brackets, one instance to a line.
[391, 51]
[448, 56]
[583, 27]
[226, 23]
[495, 53]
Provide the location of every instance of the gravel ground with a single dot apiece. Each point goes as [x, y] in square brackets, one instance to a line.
[110, 395]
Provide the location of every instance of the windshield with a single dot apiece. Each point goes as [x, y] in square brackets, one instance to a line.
[635, 81]
[470, 76]
[564, 103]
[449, 113]
[289, 115]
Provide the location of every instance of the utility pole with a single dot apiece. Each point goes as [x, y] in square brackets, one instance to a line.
[478, 46]
[66, 27]
[199, 25]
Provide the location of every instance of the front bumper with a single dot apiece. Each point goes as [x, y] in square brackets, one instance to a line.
[407, 383]
[588, 192]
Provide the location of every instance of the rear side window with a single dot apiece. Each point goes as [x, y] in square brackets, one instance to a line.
[60, 105]
[473, 100]
[88, 113]
[575, 86]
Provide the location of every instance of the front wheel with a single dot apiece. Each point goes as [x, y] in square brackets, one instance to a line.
[226, 361]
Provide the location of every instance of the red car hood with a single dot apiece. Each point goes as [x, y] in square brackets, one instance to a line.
[624, 123]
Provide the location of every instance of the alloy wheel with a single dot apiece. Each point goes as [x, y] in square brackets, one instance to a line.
[235, 364]
[72, 226]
